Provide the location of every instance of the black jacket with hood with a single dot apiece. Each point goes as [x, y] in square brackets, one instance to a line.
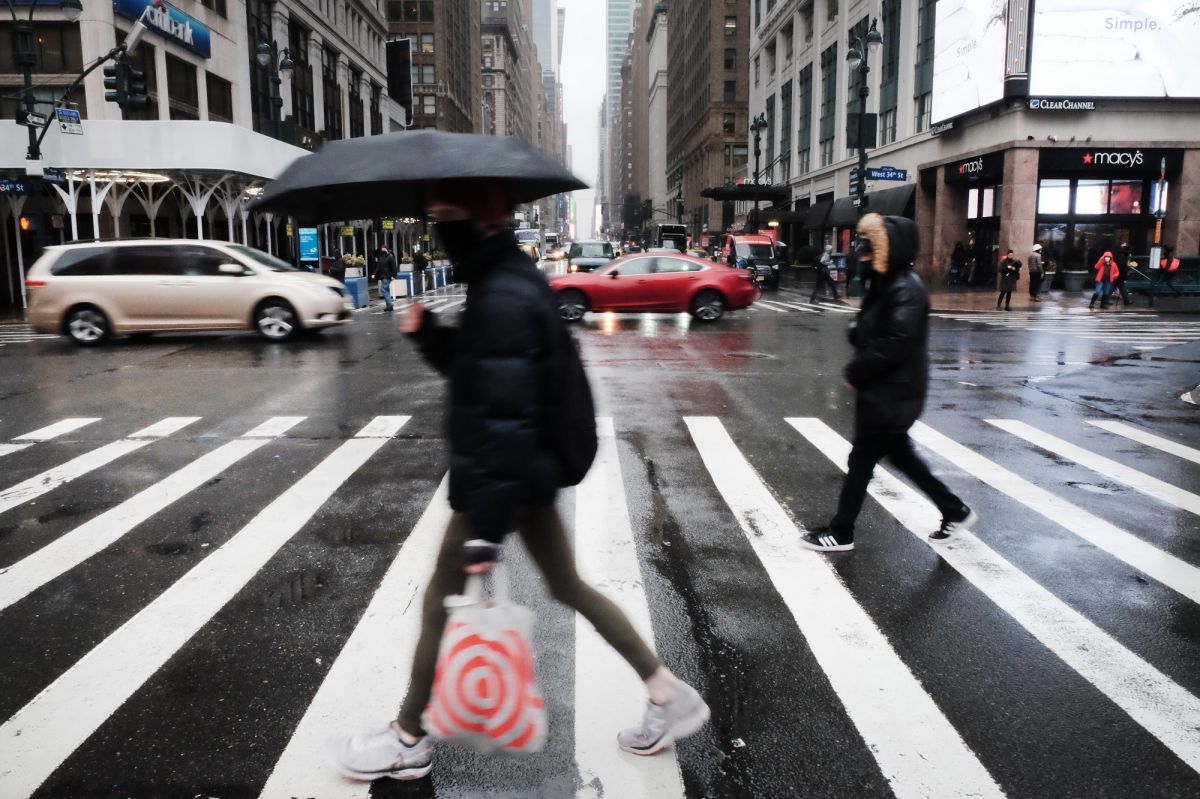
[499, 361]
[890, 368]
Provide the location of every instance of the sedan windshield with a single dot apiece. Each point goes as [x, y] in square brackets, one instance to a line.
[591, 249]
[754, 250]
[262, 259]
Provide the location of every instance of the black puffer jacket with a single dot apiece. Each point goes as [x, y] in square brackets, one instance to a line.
[499, 362]
[890, 369]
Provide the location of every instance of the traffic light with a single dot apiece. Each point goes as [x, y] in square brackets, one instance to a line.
[116, 83]
[135, 90]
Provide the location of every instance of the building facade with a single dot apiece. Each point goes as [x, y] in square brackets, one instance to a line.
[998, 165]
[447, 85]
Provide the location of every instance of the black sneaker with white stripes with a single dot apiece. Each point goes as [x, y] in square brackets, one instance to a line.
[824, 539]
[954, 521]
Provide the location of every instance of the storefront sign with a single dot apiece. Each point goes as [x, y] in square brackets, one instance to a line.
[1038, 104]
[389, 224]
[290, 230]
[977, 168]
[172, 23]
[308, 244]
[941, 128]
[346, 230]
[1111, 161]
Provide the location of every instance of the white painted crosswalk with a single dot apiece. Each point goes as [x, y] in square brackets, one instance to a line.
[21, 334]
[1142, 331]
[913, 739]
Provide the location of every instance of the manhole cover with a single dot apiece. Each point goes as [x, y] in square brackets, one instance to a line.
[762, 355]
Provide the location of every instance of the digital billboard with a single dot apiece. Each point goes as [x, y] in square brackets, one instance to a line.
[968, 62]
[1115, 48]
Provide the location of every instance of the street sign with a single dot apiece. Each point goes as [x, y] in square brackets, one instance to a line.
[857, 201]
[53, 175]
[290, 230]
[30, 120]
[69, 120]
[879, 173]
[12, 187]
[389, 224]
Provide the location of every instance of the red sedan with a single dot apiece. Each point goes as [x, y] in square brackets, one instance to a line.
[656, 282]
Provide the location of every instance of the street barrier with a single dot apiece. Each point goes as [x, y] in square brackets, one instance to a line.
[357, 288]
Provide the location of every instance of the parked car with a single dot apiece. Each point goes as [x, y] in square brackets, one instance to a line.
[584, 256]
[656, 282]
[755, 253]
[91, 292]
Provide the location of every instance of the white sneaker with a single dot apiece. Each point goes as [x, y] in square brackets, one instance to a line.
[664, 724]
[379, 753]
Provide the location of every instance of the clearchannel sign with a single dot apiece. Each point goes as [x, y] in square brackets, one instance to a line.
[1115, 48]
[172, 23]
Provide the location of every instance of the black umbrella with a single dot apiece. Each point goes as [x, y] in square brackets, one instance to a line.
[386, 175]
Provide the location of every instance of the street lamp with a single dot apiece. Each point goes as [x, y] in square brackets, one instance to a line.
[857, 58]
[25, 58]
[263, 54]
[757, 126]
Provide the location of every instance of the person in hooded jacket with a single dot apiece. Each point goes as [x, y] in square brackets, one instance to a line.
[1009, 272]
[890, 376]
[823, 278]
[502, 368]
[1106, 273]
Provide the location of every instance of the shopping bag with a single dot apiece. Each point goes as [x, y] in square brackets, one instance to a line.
[485, 693]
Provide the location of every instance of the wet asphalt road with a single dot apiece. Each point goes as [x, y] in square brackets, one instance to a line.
[1022, 704]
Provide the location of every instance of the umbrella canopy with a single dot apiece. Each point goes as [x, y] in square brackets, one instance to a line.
[386, 175]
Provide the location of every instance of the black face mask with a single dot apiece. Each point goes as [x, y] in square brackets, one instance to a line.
[460, 238]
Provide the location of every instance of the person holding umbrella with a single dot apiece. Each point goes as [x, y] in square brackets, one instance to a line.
[500, 361]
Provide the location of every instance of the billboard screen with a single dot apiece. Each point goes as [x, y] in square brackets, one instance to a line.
[1115, 48]
[968, 62]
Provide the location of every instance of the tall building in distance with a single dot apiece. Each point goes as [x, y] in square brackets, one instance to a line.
[548, 27]
[445, 71]
[617, 24]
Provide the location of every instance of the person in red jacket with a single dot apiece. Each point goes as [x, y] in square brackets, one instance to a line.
[1167, 268]
[1106, 273]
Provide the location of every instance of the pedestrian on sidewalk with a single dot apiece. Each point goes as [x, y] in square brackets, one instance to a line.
[386, 270]
[823, 278]
[1008, 273]
[1125, 262]
[890, 376]
[1106, 273]
[501, 362]
[958, 263]
[1168, 265]
[1036, 273]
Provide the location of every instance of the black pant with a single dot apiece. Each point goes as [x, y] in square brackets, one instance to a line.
[1161, 276]
[871, 446]
[1035, 284]
[1005, 297]
[823, 279]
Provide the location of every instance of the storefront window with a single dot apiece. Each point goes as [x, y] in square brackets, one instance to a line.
[1125, 197]
[973, 204]
[1054, 197]
[1091, 197]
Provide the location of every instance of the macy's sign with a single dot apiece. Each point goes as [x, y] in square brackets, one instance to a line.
[971, 167]
[1114, 158]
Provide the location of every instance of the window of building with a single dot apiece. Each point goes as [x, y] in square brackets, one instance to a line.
[488, 62]
[220, 98]
[731, 25]
[805, 116]
[376, 109]
[831, 10]
[757, 64]
[426, 42]
[56, 45]
[303, 110]
[828, 102]
[142, 58]
[215, 5]
[729, 124]
[890, 69]
[428, 104]
[924, 104]
[757, 13]
[730, 91]
[182, 92]
[425, 71]
[395, 11]
[736, 157]
[258, 22]
[332, 92]
[785, 131]
[357, 126]
[788, 39]
[730, 58]
[770, 60]
[1054, 197]
[923, 68]
[887, 126]
[806, 22]
[768, 164]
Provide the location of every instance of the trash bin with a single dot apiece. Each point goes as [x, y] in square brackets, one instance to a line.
[440, 276]
[356, 287]
[402, 286]
[1073, 280]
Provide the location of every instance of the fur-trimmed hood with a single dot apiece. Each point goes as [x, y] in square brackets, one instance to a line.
[893, 240]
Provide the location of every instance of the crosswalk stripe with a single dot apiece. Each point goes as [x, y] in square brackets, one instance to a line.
[42, 734]
[68, 551]
[1167, 569]
[1153, 700]
[450, 306]
[765, 304]
[45, 434]
[369, 678]
[77, 467]
[918, 750]
[1149, 439]
[607, 694]
[797, 307]
[1139, 481]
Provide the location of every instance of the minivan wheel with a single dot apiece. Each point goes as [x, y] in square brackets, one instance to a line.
[708, 306]
[87, 325]
[572, 305]
[276, 320]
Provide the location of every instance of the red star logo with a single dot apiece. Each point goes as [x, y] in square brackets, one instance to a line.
[1087, 158]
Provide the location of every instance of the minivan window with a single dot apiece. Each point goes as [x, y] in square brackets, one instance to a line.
[146, 260]
[81, 262]
[202, 261]
[754, 250]
[262, 259]
[591, 249]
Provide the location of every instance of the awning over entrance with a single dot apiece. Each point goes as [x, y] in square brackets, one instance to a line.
[745, 192]
[898, 201]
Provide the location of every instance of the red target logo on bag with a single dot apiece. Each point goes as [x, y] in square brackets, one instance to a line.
[484, 690]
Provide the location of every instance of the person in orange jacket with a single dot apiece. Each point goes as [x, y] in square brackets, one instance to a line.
[1106, 273]
[1167, 268]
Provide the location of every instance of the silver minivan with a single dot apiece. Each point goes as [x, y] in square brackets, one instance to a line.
[93, 291]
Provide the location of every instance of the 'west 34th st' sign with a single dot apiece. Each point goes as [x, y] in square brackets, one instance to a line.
[172, 23]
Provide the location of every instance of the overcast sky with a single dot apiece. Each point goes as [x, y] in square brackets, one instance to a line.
[583, 80]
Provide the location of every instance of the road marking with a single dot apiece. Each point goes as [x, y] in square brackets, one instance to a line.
[1149, 439]
[1153, 700]
[765, 304]
[450, 306]
[45, 434]
[77, 467]
[796, 306]
[68, 551]
[918, 750]
[57, 721]
[1139, 481]
[369, 678]
[608, 696]
[1162, 566]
